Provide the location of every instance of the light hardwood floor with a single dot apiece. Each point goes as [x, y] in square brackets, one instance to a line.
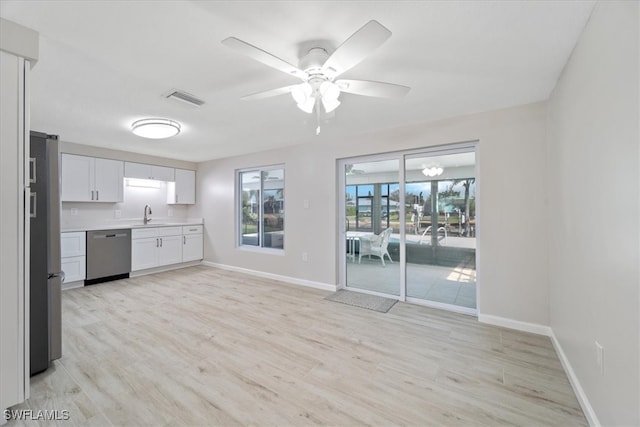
[201, 346]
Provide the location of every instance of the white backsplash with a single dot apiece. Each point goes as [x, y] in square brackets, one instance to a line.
[130, 210]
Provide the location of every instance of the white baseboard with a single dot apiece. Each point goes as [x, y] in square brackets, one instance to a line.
[589, 413]
[534, 328]
[287, 279]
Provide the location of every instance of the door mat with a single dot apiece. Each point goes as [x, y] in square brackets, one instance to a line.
[358, 299]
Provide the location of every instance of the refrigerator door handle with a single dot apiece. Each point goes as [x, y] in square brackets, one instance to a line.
[33, 204]
[32, 170]
[59, 274]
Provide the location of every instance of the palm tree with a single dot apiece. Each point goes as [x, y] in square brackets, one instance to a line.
[466, 183]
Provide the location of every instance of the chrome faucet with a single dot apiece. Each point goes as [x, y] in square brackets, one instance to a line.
[147, 213]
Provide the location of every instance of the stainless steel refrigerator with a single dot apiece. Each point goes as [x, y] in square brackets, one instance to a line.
[46, 274]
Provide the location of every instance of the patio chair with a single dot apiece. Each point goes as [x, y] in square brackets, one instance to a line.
[376, 245]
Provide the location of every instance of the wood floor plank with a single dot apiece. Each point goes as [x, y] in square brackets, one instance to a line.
[203, 346]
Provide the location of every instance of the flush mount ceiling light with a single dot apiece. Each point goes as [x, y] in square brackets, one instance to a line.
[431, 172]
[155, 128]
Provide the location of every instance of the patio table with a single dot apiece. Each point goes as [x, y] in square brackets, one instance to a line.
[352, 236]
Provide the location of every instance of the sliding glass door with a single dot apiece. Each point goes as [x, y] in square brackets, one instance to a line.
[440, 246]
[409, 226]
[372, 215]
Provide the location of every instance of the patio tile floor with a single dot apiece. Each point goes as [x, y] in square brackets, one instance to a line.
[449, 285]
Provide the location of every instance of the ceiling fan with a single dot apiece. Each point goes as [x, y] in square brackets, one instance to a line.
[318, 71]
[349, 169]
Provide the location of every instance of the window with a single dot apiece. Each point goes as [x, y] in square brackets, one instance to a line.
[261, 207]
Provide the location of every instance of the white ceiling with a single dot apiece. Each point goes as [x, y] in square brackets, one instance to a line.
[104, 64]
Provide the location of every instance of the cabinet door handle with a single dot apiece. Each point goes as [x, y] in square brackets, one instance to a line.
[176, 197]
[184, 240]
[161, 242]
[157, 243]
[97, 195]
[91, 194]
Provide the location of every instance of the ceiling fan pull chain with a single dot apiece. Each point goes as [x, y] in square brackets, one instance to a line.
[317, 117]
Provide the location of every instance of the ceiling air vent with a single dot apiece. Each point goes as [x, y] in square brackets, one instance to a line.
[180, 95]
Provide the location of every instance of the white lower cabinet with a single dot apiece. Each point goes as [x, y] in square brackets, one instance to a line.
[192, 243]
[144, 253]
[170, 251]
[73, 255]
[75, 268]
[155, 247]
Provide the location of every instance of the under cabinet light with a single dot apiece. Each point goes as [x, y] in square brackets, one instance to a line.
[146, 183]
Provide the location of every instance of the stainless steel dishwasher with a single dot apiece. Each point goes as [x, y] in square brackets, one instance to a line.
[108, 255]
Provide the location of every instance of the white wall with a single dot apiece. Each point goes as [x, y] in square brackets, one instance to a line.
[131, 209]
[594, 186]
[512, 263]
[14, 262]
[135, 198]
[16, 42]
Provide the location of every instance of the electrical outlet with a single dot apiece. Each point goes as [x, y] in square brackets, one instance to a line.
[305, 257]
[306, 203]
[170, 212]
[117, 213]
[600, 357]
[73, 212]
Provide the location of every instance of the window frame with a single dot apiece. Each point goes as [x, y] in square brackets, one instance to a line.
[260, 221]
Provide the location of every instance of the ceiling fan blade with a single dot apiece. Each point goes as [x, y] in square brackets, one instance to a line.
[268, 93]
[356, 48]
[370, 88]
[264, 57]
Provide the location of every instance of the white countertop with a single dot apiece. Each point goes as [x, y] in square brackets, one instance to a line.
[114, 225]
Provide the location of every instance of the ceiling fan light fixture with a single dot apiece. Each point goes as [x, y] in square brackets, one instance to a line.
[329, 91]
[301, 93]
[155, 128]
[431, 172]
[330, 104]
[308, 105]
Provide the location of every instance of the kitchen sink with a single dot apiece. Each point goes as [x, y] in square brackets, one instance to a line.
[151, 224]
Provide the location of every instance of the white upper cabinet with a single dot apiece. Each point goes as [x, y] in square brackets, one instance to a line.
[89, 179]
[108, 180]
[184, 190]
[77, 178]
[143, 171]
